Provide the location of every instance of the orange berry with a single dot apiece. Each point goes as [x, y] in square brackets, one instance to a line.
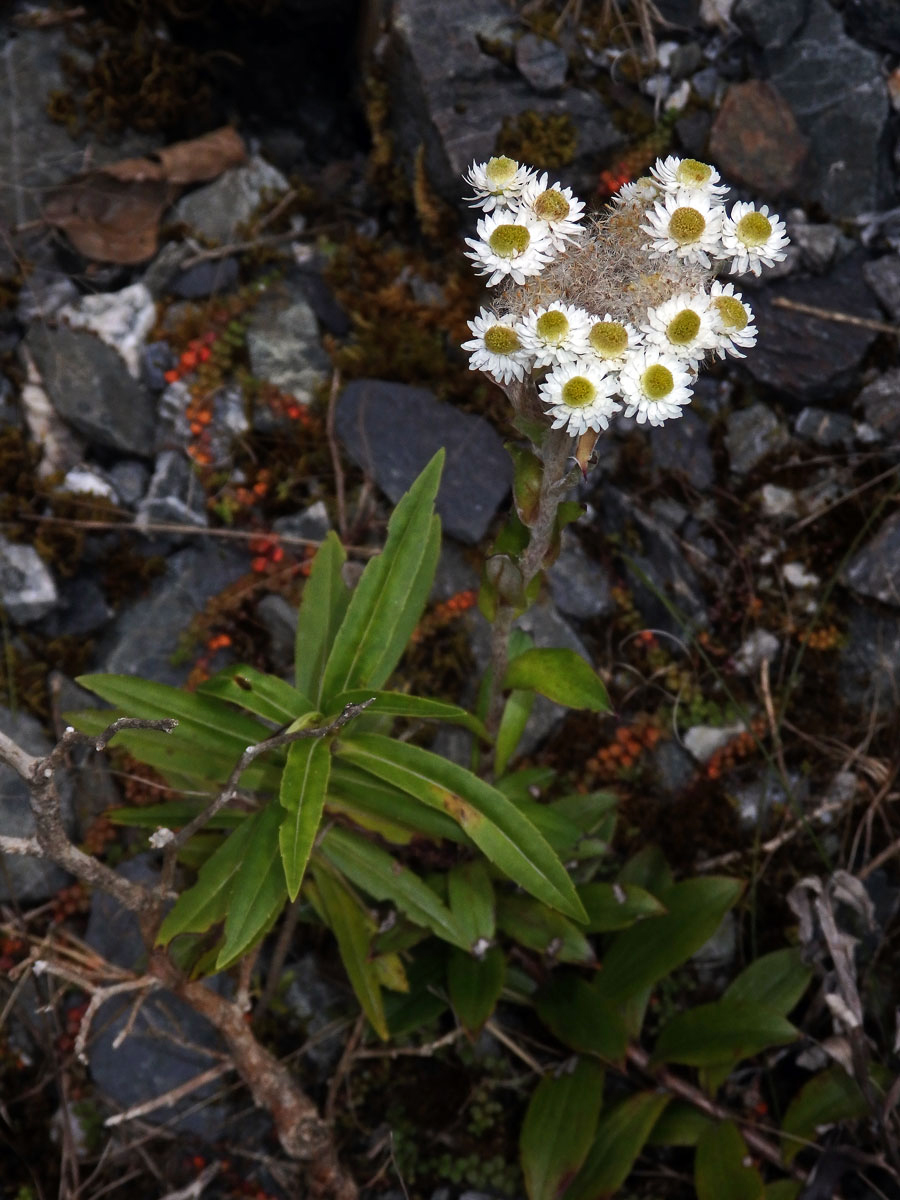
[171, 376]
[259, 564]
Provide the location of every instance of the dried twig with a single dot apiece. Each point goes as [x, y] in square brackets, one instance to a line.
[828, 314]
[170, 1097]
[336, 455]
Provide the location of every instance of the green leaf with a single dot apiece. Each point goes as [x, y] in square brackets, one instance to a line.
[528, 472]
[581, 1018]
[394, 814]
[640, 956]
[719, 1168]
[559, 1127]
[425, 1001]
[322, 609]
[612, 906]
[515, 716]
[648, 869]
[375, 871]
[680, 1125]
[265, 695]
[539, 928]
[302, 796]
[783, 1189]
[621, 1136]
[561, 675]
[398, 704]
[391, 593]
[721, 1032]
[827, 1098]
[353, 928]
[491, 821]
[471, 895]
[562, 834]
[257, 893]
[474, 985]
[775, 981]
[173, 815]
[590, 811]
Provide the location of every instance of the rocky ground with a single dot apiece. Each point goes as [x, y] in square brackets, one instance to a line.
[183, 365]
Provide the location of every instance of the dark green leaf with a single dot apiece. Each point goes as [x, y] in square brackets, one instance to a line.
[648, 869]
[561, 675]
[471, 896]
[324, 603]
[539, 928]
[680, 1125]
[719, 1166]
[475, 985]
[302, 795]
[528, 472]
[398, 704]
[721, 1032]
[173, 815]
[515, 716]
[581, 1018]
[559, 1127]
[426, 999]
[257, 893]
[783, 1189]
[590, 811]
[827, 1098]
[491, 821]
[371, 802]
[621, 1136]
[612, 906]
[776, 981]
[390, 595]
[265, 695]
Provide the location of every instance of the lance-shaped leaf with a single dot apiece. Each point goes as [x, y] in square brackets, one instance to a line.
[258, 692]
[493, 823]
[581, 1018]
[721, 1032]
[471, 895]
[540, 928]
[559, 1127]
[374, 805]
[561, 675]
[720, 1166]
[612, 906]
[322, 609]
[528, 471]
[621, 1135]
[474, 985]
[827, 1098]
[398, 704]
[680, 1125]
[304, 784]
[391, 594]
[775, 981]
[375, 871]
[353, 928]
[257, 893]
[173, 814]
[515, 716]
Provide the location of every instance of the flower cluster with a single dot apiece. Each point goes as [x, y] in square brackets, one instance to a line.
[617, 313]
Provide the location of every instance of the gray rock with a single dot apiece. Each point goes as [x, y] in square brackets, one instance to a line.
[145, 636]
[824, 428]
[755, 800]
[770, 23]
[279, 619]
[217, 210]
[121, 319]
[883, 277]
[839, 96]
[156, 360]
[82, 610]
[800, 355]
[174, 495]
[715, 960]
[392, 430]
[208, 278]
[874, 21]
[874, 571]
[683, 446]
[130, 478]
[757, 647]
[316, 1002]
[869, 664]
[752, 435]
[542, 62]
[673, 767]
[778, 501]
[283, 344]
[90, 387]
[581, 587]
[702, 741]
[819, 245]
[27, 590]
[169, 1043]
[880, 404]
[312, 523]
[26, 880]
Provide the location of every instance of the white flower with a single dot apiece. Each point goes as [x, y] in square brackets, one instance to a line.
[654, 386]
[555, 206]
[610, 340]
[509, 245]
[750, 237]
[579, 396]
[496, 347]
[496, 182]
[642, 191]
[732, 320]
[689, 228]
[687, 177]
[555, 334]
[682, 326]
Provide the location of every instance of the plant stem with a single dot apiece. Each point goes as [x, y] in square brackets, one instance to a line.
[556, 450]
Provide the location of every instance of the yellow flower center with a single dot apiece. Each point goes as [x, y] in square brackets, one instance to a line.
[686, 225]
[578, 392]
[609, 339]
[683, 328]
[509, 240]
[754, 229]
[500, 172]
[552, 206]
[731, 312]
[552, 327]
[657, 381]
[500, 339]
[691, 173]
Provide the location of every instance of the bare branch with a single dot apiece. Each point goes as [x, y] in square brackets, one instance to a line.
[20, 845]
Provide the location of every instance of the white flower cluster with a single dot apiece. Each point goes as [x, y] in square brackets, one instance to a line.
[619, 314]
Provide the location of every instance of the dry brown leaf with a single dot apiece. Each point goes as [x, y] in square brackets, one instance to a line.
[113, 214]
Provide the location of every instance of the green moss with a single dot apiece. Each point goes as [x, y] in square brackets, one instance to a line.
[548, 139]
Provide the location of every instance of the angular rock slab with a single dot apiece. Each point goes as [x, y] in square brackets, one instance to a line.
[869, 669]
[875, 570]
[391, 430]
